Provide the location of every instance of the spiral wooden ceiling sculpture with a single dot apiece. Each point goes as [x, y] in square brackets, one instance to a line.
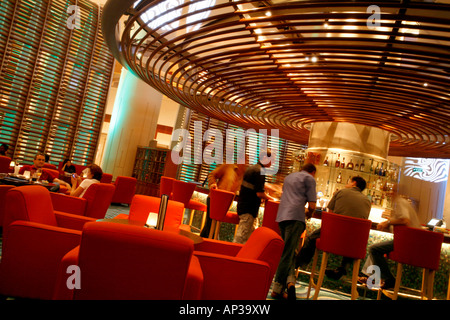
[287, 64]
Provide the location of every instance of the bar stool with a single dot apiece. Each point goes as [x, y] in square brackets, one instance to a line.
[182, 192]
[418, 248]
[270, 214]
[219, 203]
[165, 186]
[343, 236]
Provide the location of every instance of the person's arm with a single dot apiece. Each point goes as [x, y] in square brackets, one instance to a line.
[62, 183]
[384, 225]
[311, 209]
[214, 176]
[76, 188]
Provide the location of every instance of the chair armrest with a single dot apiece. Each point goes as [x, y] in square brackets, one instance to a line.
[62, 292]
[31, 254]
[219, 247]
[72, 221]
[69, 204]
[231, 278]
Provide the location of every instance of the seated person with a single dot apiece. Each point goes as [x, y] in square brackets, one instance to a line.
[79, 185]
[3, 148]
[68, 166]
[38, 164]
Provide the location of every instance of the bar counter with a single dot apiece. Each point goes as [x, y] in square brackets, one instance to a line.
[411, 278]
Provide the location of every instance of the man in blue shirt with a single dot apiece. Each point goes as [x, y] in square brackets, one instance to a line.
[299, 189]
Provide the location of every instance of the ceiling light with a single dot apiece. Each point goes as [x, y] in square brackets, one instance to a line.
[314, 59]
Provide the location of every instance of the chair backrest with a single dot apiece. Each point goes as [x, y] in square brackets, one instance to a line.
[270, 214]
[4, 188]
[219, 203]
[417, 247]
[123, 262]
[50, 166]
[4, 164]
[142, 205]
[29, 203]
[125, 189]
[165, 186]
[98, 196]
[182, 191]
[106, 178]
[343, 235]
[264, 244]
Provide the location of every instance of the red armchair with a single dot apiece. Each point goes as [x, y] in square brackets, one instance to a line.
[106, 178]
[4, 188]
[239, 272]
[125, 189]
[94, 203]
[128, 262]
[35, 239]
[4, 164]
[142, 205]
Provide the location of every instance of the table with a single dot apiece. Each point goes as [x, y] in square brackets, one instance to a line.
[10, 180]
[190, 235]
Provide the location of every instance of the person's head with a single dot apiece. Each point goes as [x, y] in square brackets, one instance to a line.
[68, 162]
[357, 182]
[265, 157]
[3, 148]
[94, 172]
[39, 160]
[310, 168]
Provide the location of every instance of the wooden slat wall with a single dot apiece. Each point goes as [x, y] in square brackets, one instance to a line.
[199, 172]
[54, 80]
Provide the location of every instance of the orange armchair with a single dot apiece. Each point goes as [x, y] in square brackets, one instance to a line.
[94, 203]
[239, 272]
[125, 190]
[142, 205]
[35, 239]
[124, 262]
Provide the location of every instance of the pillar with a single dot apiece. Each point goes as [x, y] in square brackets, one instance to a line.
[133, 123]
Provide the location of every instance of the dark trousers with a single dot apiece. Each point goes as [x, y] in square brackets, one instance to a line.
[290, 232]
[207, 227]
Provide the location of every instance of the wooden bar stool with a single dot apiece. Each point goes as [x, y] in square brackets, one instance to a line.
[219, 203]
[182, 192]
[419, 248]
[344, 236]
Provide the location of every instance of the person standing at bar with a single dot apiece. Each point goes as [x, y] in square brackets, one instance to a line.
[227, 176]
[349, 202]
[299, 189]
[250, 195]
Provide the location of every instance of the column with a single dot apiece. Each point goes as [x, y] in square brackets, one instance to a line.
[133, 123]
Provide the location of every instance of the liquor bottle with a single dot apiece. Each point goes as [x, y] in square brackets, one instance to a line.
[338, 162]
[339, 178]
[371, 166]
[377, 168]
[357, 166]
[380, 172]
[362, 167]
[343, 163]
[325, 163]
[350, 165]
[369, 184]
